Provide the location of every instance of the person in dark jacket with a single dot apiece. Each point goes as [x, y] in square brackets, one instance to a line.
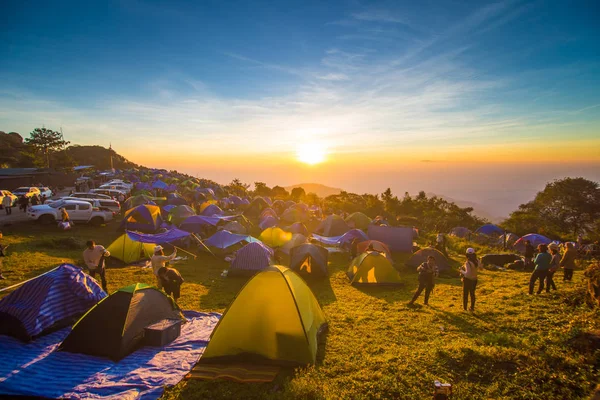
[542, 266]
[468, 273]
[23, 203]
[171, 281]
[568, 262]
[554, 265]
[428, 271]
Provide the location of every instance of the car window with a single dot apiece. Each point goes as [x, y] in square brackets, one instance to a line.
[85, 206]
[56, 204]
[106, 203]
[70, 207]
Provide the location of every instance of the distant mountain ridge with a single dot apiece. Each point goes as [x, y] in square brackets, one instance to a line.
[316, 188]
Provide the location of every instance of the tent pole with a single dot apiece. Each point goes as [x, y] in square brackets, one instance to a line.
[203, 245]
[185, 251]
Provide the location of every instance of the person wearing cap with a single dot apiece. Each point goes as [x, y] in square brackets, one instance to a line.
[469, 278]
[159, 261]
[568, 262]
[427, 273]
[542, 265]
[554, 265]
[171, 281]
[94, 256]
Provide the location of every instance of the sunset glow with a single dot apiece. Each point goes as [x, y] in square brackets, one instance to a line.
[311, 153]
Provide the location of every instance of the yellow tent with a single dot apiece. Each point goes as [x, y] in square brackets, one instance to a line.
[274, 318]
[275, 237]
[372, 268]
[130, 251]
[206, 204]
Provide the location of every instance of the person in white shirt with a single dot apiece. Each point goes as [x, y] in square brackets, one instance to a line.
[94, 257]
[7, 204]
[159, 261]
[469, 278]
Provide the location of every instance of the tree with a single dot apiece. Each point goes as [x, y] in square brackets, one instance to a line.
[279, 192]
[11, 146]
[565, 207]
[298, 193]
[261, 189]
[238, 188]
[46, 141]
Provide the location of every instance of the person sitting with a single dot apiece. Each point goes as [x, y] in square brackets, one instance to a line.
[64, 215]
[171, 281]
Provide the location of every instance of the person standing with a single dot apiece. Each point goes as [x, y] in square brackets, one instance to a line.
[35, 200]
[23, 203]
[94, 256]
[469, 278]
[568, 262]
[428, 271]
[159, 261]
[554, 265]
[529, 251]
[7, 204]
[542, 265]
[171, 281]
[440, 243]
[44, 198]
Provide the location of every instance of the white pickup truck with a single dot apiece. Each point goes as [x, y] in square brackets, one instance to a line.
[79, 211]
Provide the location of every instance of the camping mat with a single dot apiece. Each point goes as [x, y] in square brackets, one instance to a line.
[239, 373]
[36, 369]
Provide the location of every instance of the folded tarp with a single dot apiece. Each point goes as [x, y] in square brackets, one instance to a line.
[346, 238]
[158, 238]
[36, 369]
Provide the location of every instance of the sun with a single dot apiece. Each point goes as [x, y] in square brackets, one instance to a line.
[311, 153]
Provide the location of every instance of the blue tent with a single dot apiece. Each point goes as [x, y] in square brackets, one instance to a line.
[490, 229]
[535, 240]
[168, 208]
[207, 192]
[159, 185]
[52, 300]
[235, 200]
[213, 209]
[268, 222]
[225, 239]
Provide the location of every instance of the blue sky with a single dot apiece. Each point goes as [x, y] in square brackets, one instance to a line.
[254, 78]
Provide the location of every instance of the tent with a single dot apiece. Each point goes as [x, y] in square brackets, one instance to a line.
[420, 257]
[50, 301]
[138, 200]
[490, 230]
[298, 227]
[159, 185]
[533, 238]
[130, 251]
[377, 246]
[358, 220]
[333, 225]
[180, 213]
[235, 200]
[268, 222]
[224, 240]
[268, 212]
[275, 237]
[250, 259]
[398, 239]
[212, 209]
[297, 240]
[274, 319]
[208, 192]
[114, 327]
[144, 218]
[278, 206]
[235, 227]
[294, 214]
[176, 200]
[372, 268]
[256, 207]
[460, 231]
[309, 260]
[342, 240]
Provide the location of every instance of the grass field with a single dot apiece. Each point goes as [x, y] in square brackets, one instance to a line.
[514, 346]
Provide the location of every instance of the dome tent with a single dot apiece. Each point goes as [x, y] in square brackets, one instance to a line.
[250, 259]
[420, 257]
[114, 327]
[372, 268]
[277, 326]
[309, 260]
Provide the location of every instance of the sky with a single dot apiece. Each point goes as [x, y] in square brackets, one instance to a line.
[480, 101]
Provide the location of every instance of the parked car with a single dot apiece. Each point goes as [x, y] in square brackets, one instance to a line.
[4, 193]
[90, 195]
[79, 211]
[120, 182]
[27, 191]
[122, 188]
[44, 190]
[103, 204]
[114, 194]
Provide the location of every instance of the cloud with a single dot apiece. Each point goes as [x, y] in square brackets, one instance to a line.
[334, 77]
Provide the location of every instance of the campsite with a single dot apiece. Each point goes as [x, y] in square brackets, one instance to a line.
[375, 346]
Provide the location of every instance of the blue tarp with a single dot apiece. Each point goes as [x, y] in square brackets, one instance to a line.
[196, 222]
[225, 239]
[341, 240]
[36, 369]
[158, 238]
[490, 229]
[159, 185]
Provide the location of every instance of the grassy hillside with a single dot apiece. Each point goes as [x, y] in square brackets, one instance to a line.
[514, 346]
[99, 157]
